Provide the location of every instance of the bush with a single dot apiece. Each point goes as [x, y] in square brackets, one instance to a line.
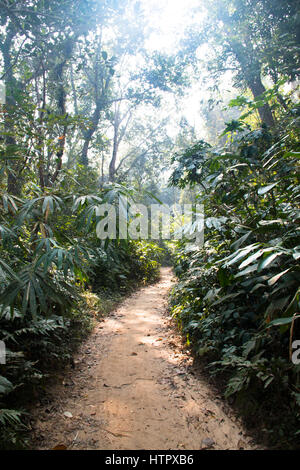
[238, 295]
[50, 261]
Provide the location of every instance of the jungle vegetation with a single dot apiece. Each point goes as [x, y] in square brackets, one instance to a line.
[91, 115]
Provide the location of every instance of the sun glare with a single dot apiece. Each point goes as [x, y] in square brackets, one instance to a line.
[167, 20]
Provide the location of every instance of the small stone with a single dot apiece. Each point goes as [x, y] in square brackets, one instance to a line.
[207, 442]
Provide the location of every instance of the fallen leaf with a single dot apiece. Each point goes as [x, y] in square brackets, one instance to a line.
[60, 447]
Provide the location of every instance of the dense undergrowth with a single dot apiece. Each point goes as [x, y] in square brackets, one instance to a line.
[237, 299]
[56, 279]
[86, 115]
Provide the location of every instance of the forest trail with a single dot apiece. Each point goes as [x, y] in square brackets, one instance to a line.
[134, 387]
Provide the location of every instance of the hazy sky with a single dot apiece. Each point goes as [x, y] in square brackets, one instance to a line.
[169, 18]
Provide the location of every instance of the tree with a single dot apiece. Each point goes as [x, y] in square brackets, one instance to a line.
[36, 43]
[239, 34]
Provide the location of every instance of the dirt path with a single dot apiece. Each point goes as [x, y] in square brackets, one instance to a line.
[133, 387]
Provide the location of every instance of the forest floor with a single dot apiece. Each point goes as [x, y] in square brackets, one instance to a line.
[135, 386]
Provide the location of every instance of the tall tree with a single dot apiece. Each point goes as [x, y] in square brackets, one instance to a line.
[238, 34]
[36, 42]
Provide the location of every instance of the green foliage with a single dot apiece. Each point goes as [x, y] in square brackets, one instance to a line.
[76, 95]
[147, 257]
[237, 294]
[251, 40]
[50, 259]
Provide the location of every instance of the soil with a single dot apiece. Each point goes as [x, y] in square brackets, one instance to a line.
[135, 387]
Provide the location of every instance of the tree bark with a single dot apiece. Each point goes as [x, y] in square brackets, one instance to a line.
[87, 135]
[257, 88]
[100, 81]
[14, 181]
[251, 72]
[112, 164]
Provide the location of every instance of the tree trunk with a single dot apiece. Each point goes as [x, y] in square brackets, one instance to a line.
[14, 181]
[112, 164]
[87, 135]
[257, 88]
[251, 71]
[84, 153]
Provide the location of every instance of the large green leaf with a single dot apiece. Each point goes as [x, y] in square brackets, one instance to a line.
[265, 262]
[265, 189]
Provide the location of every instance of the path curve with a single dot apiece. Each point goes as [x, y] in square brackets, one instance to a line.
[134, 388]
